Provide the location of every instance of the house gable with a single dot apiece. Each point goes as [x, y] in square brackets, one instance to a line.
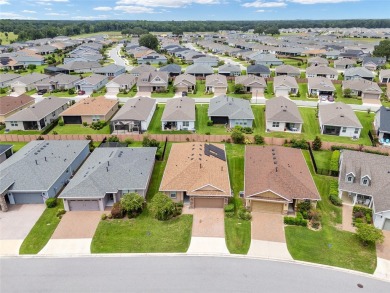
[208, 187]
[268, 195]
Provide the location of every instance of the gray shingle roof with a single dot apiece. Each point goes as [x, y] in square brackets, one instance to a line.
[257, 68]
[285, 80]
[39, 110]
[29, 169]
[30, 78]
[112, 169]
[289, 69]
[359, 71]
[338, 114]
[78, 65]
[379, 169]
[280, 109]
[179, 109]
[171, 68]
[362, 85]
[199, 69]
[111, 68]
[384, 119]
[234, 108]
[136, 109]
[320, 83]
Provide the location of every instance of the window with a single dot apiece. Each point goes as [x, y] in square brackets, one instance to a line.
[14, 123]
[344, 129]
[350, 179]
[186, 123]
[365, 181]
[173, 194]
[356, 130]
[275, 124]
[95, 118]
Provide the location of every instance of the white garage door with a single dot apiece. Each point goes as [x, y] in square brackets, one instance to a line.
[386, 226]
[112, 91]
[83, 205]
[20, 89]
[282, 93]
[371, 96]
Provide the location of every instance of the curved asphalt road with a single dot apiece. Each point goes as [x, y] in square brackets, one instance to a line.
[175, 274]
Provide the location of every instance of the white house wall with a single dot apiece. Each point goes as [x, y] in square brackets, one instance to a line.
[379, 219]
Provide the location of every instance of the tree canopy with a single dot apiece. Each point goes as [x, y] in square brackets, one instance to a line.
[148, 40]
[383, 49]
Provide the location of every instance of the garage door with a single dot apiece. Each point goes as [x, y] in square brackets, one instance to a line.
[371, 96]
[144, 89]
[24, 198]
[281, 93]
[267, 207]
[209, 202]
[83, 205]
[386, 226]
[72, 119]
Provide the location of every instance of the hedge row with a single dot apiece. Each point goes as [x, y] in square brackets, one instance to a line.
[339, 147]
[295, 221]
[334, 193]
[334, 161]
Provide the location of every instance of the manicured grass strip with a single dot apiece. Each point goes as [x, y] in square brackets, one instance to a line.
[237, 235]
[17, 145]
[41, 232]
[79, 129]
[143, 234]
[200, 90]
[169, 94]
[235, 159]
[322, 159]
[201, 122]
[155, 123]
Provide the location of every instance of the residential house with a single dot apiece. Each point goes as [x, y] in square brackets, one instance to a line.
[197, 174]
[322, 71]
[134, 116]
[90, 110]
[111, 70]
[230, 111]
[267, 60]
[207, 60]
[339, 119]
[258, 70]
[357, 73]
[282, 114]
[91, 83]
[80, 66]
[153, 82]
[26, 82]
[43, 50]
[123, 82]
[37, 116]
[287, 70]
[321, 87]
[364, 179]
[172, 69]
[229, 70]
[384, 76]
[363, 88]
[343, 64]
[152, 58]
[5, 153]
[285, 85]
[382, 125]
[185, 83]
[353, 54]
[373, 63]
[252, 84]
[179, 114]
[317, 61]
[40, 170]
[199, 70]
[277, 179]
[216, 83]
[58, 82]
[143, 68]
[334, 54]
[107, 175]
[7, 78]
[10, 105]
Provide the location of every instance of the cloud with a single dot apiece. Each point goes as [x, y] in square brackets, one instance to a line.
[166, 3]
[134, 9]
[102, 8]
[9, 15]
[53, 0]
[57, 14]
[260, 10]
[262, 4]
[29, 11]
[4, 2]
[92, 17]
[49, 9]
[308, 2]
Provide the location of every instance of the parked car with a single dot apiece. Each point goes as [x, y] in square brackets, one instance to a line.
[81, 92]
[184, 94]
[331, 99]
[41, 92]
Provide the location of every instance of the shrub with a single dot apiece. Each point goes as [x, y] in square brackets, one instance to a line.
[303, 206]
[128, 141]
[98, 124]
[295, 221]
[132, 204]
[368, 234]
[210, 123]
[109, 216]
[180, 204]
[60, 212]
[85, 124]
[104, 217]
[299, 144]
[317, 143]
[61, 123]
[258, 139]
[245, 215]
[51, 202]
[162, 207]
[247, 130]
[334, 161]
[113, 138]
[237, 137]
[208, 133]
[70, 91]
[117, 211]
[147, 142]
[229, 208]
[334, 199]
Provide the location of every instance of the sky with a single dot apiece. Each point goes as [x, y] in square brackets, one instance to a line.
[193, 9]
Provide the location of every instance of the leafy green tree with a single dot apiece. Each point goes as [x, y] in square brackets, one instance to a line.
[237, 136]
[368, 234]
[133, 204]
[238, 88]
[383, 49]
[148, 40]
[347, 93]
[162, 207]
[31, 67]
[317, 144]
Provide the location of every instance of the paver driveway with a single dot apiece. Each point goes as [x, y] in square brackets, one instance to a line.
[208, 223]
[16, 224]
[268, 227]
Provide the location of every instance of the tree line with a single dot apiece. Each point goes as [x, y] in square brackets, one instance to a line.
[36, 29]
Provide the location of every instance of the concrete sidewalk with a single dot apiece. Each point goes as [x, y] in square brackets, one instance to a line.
[208, 245]
[269, 249]
[347, 218]
[67, 247]
[382, 268]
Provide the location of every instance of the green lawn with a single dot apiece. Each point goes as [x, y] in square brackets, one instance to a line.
[293, 62]
[269, 93]
[168, 94]
[237, 235]
[79, 129]
[155, 124]
[6, 40]
[100, 92]
[63, 94]
[130, 94]
[42, 231]
[24, 132]
[30, 93]
[200, 90]
[329, 246]
[17, 145]
[143, 234]
[340, 97]
[322, 158]
[235, 159]
[201, 122]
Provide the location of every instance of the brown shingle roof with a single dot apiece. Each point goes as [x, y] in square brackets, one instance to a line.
[289, 177]
[9, 104]
[189, 169]
[90, 106]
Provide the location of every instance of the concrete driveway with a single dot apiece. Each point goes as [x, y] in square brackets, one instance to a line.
[74, 234]
[208, 232]
[268, 238]
[16, 224]
[383, 258]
